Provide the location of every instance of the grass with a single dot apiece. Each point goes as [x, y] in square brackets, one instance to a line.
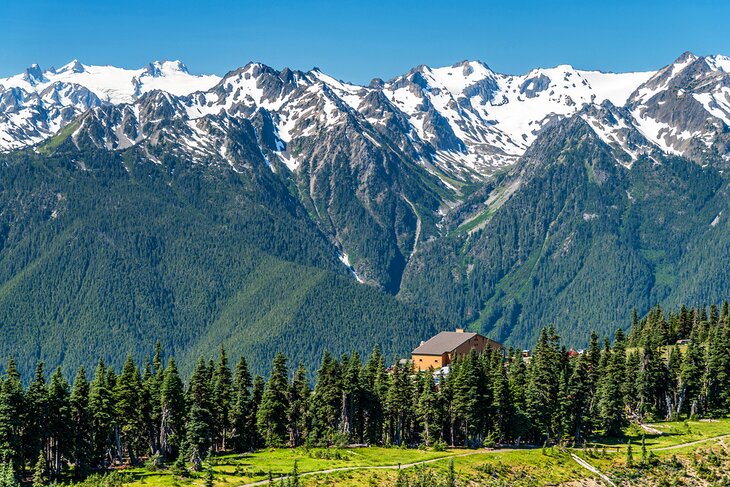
[497, 199]
[476, 221]
[663, 470]
[54, 142]
[473, 467]
[520, 467]
[232, 470]
[674, 433]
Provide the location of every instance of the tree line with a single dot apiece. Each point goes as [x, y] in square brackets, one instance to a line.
[55, 429]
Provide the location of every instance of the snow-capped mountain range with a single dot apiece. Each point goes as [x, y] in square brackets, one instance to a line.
[35, 104]
[499, 202]
[463, 120]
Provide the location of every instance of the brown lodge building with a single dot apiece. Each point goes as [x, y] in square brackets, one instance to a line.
[442, 349]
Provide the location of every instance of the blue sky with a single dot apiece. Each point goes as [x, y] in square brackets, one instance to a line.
[357, 41]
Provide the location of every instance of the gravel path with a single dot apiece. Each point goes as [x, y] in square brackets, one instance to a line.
[380, 467]
[591, 468]
[682, 445]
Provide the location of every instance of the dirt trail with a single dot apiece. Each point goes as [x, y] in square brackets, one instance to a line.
[682, 445]
[591, 468]
[575, 457]
[650, 429]
[381, 467]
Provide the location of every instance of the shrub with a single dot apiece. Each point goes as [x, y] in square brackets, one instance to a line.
[439, 445]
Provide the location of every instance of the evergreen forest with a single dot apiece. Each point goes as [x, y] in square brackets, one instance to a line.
[55, 428]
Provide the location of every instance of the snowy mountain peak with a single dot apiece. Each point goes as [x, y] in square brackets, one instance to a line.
[73, 67]
[685, 58]
[34, 75]
[685, 107]
[719, 63]
[162, 68]
[469, 66]
[35, 104]
[464, 119]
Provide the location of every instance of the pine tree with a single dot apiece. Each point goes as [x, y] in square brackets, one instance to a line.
[674, 372]
[12, 416]
[101, 408]
[651, 381]
[222, 400]
[541, 396]
[7, 475]
[40, 471]
[716, 381]
[199, 426]
[398, 403]
[172, 412]
[240, 414]
[36, 417]
[257, 393]
[691, 379]
[610, 398]
[58, 422]
[148, 411]
[468, 400]
[351, 414]
[128, 410]
[374, 389]
[593, 356]
[271, 418]
[179, 468]
[631, 382]
[298, 414]
[326, 401]
[579, 400]
[629, 455]
[81, 424]
[428, 408]
[209, 472]
[517, 380]
[501, 408]
[152, 386]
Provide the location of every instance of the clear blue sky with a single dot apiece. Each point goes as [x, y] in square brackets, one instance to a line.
[357, 41]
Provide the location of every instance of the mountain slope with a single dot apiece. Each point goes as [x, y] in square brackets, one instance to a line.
[271, 206]
[108, 251]
[579, 235]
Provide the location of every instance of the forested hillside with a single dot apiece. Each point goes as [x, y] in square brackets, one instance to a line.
[579, 237]
[110, 253]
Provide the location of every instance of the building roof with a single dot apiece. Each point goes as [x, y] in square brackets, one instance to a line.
[446, 341]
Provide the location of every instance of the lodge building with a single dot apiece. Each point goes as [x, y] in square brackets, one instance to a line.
[443, 348]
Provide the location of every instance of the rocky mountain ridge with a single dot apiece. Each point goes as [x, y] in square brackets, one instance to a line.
[465, 120]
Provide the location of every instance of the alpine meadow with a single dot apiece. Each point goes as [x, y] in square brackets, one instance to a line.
[453, 277]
